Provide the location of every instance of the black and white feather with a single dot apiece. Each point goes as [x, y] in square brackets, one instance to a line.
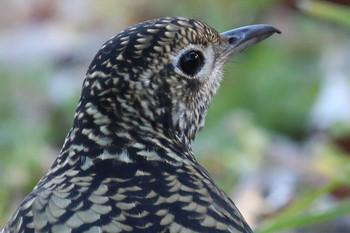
[127, 164]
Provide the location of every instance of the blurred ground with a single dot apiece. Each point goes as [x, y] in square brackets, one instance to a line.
[277, 136]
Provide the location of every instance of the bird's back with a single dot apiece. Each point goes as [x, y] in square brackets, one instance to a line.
[135, 194]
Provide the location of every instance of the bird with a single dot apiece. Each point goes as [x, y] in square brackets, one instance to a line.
[126, 164]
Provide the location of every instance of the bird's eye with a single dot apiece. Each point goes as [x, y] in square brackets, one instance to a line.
[191, 62]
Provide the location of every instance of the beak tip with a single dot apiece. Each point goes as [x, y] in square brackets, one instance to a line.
[278, 31]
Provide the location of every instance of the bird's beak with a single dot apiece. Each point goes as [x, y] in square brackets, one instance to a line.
[242, 38]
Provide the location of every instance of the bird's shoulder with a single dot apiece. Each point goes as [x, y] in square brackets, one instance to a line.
[142, 194]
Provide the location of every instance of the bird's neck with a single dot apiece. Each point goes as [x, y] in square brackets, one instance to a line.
[99, 135]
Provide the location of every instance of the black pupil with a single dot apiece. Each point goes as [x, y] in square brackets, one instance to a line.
[191, 62]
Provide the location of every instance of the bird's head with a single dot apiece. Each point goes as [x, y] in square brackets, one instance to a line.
[160, 76]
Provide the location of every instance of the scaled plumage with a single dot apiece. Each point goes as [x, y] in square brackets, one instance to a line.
[126, 164]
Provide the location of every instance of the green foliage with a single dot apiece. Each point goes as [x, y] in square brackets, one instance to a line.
[295, 218]
[301, 213]
[327, 11]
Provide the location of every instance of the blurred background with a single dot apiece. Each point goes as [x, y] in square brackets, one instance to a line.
[277, 137]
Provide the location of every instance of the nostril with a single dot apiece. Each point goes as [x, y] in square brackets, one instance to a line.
[232, 40]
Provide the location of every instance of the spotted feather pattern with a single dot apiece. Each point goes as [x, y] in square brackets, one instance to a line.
[126, 164]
